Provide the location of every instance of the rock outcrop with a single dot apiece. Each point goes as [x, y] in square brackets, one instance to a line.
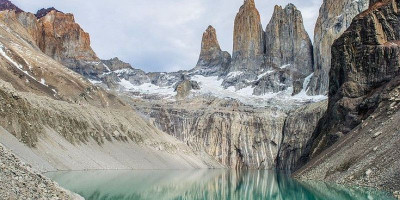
[334, 18]
[248, 39]
[358, 139]
[44, 11]
[66, 42]
[184, 88]
[7, 5]
[288, 44]
[115, 64]
[212, 60]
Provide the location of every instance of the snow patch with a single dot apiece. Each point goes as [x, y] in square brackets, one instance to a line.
[264, 74]
[303, 93]
[148, 88]
[234, 74]
[94, 82]
[285, 66]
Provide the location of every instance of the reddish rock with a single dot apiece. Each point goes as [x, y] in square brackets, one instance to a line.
[212, 59]
[248, 39]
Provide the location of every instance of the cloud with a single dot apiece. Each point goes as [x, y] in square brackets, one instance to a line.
[161, 35]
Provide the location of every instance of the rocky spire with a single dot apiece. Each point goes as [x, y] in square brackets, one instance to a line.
[212, 59]
[209, 43]
[287, 42]
[335, 17]
[248, 39]
[7, 5]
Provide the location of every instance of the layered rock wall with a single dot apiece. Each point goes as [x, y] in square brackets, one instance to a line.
[237, 136]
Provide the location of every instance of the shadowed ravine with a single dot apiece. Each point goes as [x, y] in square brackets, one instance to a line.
[204, 184]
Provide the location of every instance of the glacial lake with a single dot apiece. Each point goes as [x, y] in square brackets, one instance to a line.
[204, 184]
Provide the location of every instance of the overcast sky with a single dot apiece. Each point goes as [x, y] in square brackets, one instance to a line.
[161, 35]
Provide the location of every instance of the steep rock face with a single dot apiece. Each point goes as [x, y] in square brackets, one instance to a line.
[287, 43]
[212, 60]
[297, 131]
[237, 136]
[334, 18]
[248, 39]
[66, 42]
[363, 104]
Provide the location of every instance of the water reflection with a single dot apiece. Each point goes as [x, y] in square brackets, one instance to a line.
[203, 184]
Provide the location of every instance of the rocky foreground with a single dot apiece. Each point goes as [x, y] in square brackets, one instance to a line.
[19, 181]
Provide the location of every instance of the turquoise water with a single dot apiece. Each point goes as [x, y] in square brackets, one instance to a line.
[204, 184]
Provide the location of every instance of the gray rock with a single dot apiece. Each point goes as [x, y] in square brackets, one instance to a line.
[335, 16]
[287, 43]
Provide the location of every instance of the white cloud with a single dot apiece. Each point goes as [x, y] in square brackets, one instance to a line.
[161, 35]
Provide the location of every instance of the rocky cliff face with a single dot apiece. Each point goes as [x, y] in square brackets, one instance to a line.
[334, 18]
[297, 132]
[288, 44]
[66, 42]
[212, 60]
[360, 130]
[236, 135]
[248, 39]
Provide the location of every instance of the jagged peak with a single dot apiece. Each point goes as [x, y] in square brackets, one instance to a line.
[44, 11]
[7, 5]
[288, 8]
[210, 28]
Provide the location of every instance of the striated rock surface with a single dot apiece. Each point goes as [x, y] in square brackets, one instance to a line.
[288, 44]
[238, 136]
[66, 42]
[297, 131]
[358, 139]
[334, 18]
[212, 60]
[248, 39]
